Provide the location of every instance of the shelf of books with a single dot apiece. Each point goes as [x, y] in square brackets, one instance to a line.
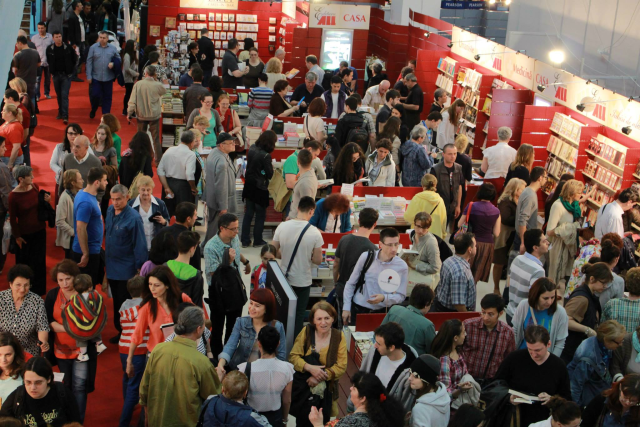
[447, 68]
[172, 118]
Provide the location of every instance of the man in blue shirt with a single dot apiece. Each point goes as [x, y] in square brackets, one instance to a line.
[125, 247]
[88, 228]
[101, 74]
[354, 82]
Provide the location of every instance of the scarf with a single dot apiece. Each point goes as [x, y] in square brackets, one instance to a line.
[573, 208]
[605, 352]
[72, 195]
[636, 345]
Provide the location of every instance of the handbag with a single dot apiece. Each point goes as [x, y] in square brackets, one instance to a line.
[466, 227]
[306, 128]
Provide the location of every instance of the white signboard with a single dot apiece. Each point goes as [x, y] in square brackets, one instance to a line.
[518, 67]
[210, 4]
[339, 16]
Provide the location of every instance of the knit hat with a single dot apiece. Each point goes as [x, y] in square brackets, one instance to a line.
[428, 367]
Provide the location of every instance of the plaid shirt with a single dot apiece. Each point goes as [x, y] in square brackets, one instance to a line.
[451, 372]
[479, 344]
[624, 311]
[457, 286]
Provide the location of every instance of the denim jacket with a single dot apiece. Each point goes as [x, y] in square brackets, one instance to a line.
[157, 206]
[588, 372]
[238, 348]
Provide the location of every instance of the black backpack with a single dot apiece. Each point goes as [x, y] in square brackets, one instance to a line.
[358, 133]
[227, 292]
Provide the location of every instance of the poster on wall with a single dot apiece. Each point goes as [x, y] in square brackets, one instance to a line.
[518, 67]
[339, 16]
[491, 54]
[210, 4]
[336, 47]
[154, 30]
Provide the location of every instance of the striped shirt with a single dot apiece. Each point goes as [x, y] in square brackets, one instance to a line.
[525, 270]
[624, 311]
[128, 318]
[259, 98]
[200, 344]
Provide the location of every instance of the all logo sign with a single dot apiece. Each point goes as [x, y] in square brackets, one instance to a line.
[339, 16]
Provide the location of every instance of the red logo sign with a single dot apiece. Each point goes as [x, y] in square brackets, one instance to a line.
[561, 93]
[325, 18]
[600, 112]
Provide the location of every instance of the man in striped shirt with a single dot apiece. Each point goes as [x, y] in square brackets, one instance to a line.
[526, 269]
[258, 102]
[128, 318]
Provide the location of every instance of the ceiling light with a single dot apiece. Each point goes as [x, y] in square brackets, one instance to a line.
[556, 56]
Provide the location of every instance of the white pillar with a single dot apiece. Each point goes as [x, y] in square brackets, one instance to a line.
[11, 12]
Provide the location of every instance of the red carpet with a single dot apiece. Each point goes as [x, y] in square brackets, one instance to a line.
[105, 403]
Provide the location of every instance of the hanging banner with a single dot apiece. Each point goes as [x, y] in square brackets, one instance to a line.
[518, 67]
[210, 4]
[339, 16]
[622, 113]
[462, 4]
[559, 86]
[491, 54]
[464, 43]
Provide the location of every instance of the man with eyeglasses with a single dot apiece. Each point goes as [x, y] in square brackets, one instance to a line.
[535, 371]
[457, 288]
[526, 269]
[225, 238]
[386, 266]
[145, 104]
[489, 340]
[220, 191]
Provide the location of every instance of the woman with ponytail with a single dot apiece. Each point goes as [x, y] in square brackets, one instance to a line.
[374, 408]
[617, 407]
[563, 414]
[583, 307]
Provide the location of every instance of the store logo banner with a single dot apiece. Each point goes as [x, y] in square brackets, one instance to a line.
[339, 16]
[462, 4]
[210, 4]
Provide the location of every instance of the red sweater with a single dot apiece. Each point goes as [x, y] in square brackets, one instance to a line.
[23, 212]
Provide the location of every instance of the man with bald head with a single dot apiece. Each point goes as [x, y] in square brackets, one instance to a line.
[414, 102]
[81, 159]
[375, 94]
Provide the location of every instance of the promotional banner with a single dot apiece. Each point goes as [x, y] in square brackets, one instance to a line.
[559, 86]
[518, 67]
[462, 4]
[491, 54]
[464, 43]
[339, 16]
[210, 4]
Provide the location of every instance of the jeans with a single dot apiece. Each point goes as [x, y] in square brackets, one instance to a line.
[120, 295]
[75, 377]
[62, 84]
[131, 386]
[218, 318]
[19, 160]
[47, 81]
[101, 92]
[154, 128]
[258, 226]
[301, 306]
[128, 87]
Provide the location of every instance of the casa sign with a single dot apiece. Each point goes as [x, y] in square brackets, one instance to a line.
[339, 16]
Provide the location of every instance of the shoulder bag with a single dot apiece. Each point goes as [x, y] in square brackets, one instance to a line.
[295, 250]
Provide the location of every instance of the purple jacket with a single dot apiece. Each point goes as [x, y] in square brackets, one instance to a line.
[329, 101]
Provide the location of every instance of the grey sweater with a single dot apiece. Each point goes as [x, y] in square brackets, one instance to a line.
[70, 162]
[559, 327]
[220, 190]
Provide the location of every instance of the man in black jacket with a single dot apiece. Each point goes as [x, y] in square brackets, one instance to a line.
[62, 60]
[351, 120]
[206, 55]
[186, 216]
[76, 35]
[89, 19]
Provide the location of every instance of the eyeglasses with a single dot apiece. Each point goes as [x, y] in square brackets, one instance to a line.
[626, 400]
[235, 229]
[416, 375]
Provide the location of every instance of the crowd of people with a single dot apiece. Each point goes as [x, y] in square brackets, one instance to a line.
[566, 353]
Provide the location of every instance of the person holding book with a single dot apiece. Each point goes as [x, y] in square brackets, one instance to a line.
[349, 166]
[333, 214]
[424, 260]
[534, 375]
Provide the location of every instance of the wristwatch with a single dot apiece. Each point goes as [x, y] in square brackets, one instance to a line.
[246, 261]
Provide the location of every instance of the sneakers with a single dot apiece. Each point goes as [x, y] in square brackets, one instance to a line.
[246, 244]
[100, 347]
[83, 357]
[48, 96]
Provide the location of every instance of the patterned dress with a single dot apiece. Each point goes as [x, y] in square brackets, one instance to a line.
[589, 249]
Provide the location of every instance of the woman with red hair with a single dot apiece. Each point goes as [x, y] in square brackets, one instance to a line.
[333, 214]
[617, 407]
[242, 345]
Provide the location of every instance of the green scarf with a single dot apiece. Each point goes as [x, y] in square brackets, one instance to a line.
[573, 208]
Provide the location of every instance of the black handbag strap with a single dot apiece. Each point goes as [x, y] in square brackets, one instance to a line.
[295, 249]
[493, 349]
[434, 209]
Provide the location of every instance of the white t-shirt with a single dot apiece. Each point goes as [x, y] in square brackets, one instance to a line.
[269, 377]
[544, 423]
[314, 127]
[287, 235]
[148, 225]
[333, 224]
[499, 158]
[386, 368]
[81, 28]
[609, 220]
[334, 98]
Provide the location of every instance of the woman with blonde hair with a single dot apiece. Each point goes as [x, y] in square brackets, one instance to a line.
[562, 232]
[449, 124]
[72, 181]
[274, 72]
[461, 143]
[589, 370]
[507, 204]
[429, 201]
[20, 86]
[12, 132]
[102, 145]
[153, 212]
[522, 165]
